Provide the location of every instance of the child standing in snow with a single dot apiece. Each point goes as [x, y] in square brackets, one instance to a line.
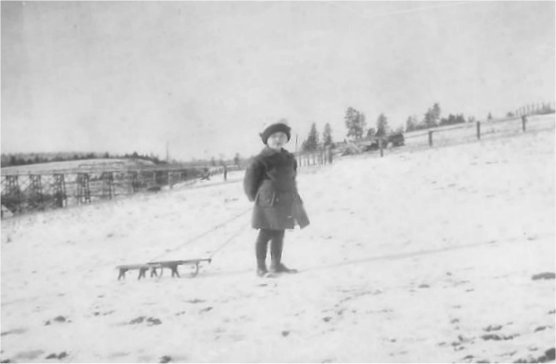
[270, 183]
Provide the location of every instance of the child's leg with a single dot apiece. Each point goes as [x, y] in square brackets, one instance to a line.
[276, 253]
[276, 247]
[261, 248]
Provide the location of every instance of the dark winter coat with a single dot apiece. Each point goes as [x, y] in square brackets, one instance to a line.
[270, 182]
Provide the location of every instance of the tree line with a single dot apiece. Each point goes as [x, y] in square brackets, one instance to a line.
[432, 119]
[355, 122]
[356, 125]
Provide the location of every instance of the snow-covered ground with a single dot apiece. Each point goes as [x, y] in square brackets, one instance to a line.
[424, 256]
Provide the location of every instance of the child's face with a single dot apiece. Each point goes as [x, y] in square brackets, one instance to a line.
[277, 140]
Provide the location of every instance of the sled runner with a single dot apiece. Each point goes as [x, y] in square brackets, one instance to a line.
[142, 268]
[173, 265]
[153, 266]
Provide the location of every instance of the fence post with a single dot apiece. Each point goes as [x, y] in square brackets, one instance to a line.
[381, 147]
[108, 178]
[134, 183]
[478, 130]
[36, 189]
[60, 196]
[14, 192]
[430, 138]
[523, 123]
[83, 190]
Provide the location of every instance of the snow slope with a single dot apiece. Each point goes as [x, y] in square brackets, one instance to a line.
[418, 256]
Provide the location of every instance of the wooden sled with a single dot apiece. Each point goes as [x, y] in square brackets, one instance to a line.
[154, 266]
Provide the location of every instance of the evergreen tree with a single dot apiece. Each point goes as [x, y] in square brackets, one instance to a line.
[432, 116]
[410, 124]
[312, 141]
[355, 123]
[362, 123]
[436, 112]
[327, 135]
[453, 119]
[381, 125]
[428, 120]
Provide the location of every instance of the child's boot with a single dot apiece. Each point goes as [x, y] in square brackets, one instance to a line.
[261, 269]
[276, 265]
[281, 268]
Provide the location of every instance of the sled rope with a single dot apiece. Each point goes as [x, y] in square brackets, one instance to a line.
[213, 229]
[230, 239]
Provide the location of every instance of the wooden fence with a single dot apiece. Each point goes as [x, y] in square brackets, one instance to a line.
[22, 192]
[538, 108]
[314, 159]
[469, 132]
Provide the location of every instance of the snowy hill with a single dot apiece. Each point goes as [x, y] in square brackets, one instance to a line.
[424, 256]
[106, 163]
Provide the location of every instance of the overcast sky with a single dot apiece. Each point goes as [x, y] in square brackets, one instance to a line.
[207, 76]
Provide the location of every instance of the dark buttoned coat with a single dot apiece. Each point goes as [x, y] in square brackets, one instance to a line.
[270, 183]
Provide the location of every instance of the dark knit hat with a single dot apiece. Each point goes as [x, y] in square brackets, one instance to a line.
[273, 128]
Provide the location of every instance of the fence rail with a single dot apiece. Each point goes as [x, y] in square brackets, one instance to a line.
[22, 192]
[314, 159]
[476, 131]
[27, 190]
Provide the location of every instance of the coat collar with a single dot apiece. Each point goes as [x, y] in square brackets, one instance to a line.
[268, 151]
